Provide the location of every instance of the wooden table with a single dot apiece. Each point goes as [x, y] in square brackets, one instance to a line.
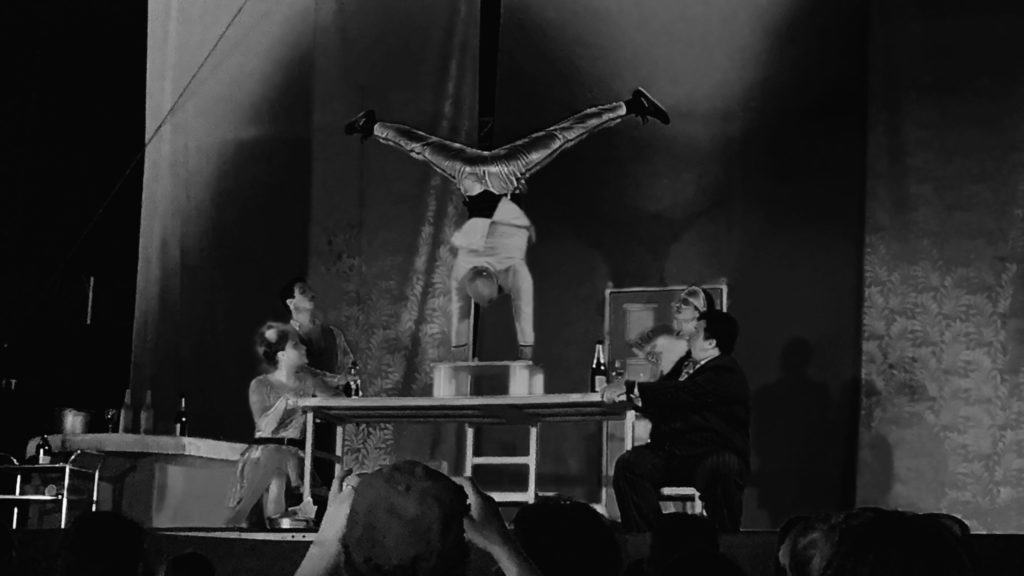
[523, 410]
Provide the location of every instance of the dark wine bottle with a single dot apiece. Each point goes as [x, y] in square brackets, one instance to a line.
[181, 419]
[598, 369]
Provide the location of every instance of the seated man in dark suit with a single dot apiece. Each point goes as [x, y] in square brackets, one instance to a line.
[700, 435]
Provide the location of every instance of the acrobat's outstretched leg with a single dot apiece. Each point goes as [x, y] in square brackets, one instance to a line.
[448, 158]
[533, 152]
[514, 162]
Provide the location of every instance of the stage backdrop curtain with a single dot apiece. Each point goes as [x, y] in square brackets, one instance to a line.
[942, 424]
[380, 221]
[225, 207]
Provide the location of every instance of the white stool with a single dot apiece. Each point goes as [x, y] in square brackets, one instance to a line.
[688, 496]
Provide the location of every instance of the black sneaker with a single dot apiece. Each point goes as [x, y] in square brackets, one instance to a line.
[362, 124]
[648, 107]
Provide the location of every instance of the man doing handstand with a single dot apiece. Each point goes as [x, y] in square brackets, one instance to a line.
[491, 245]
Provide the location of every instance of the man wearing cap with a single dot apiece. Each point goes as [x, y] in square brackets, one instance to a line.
[700, 433]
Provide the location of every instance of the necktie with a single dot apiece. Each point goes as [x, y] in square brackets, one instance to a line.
[688, 367]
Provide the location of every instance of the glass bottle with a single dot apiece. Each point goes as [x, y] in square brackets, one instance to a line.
[181, 419]
[44, 452]
[125, 423]
[598, 369]
[355, 379]
[146, 415]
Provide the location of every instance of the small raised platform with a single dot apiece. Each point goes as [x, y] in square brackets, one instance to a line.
[515, 378]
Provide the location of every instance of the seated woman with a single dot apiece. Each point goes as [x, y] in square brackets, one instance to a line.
[275, 456]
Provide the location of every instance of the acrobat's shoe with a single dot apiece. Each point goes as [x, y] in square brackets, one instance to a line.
[362, 124]
[644, 106]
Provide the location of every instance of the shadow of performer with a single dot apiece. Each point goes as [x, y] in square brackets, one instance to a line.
[791, 431]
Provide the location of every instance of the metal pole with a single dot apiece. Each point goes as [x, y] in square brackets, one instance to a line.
[307, 466]
[64, 497]
[17, 492]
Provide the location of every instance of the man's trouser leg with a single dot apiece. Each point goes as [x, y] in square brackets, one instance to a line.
[448, 158]
[721, 479]
[528, 155]
[638, 474]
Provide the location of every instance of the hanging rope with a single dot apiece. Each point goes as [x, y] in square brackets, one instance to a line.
[156, 131]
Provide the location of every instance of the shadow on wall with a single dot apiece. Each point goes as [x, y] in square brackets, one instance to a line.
[875, 460]
[766, 190]
[801, 446]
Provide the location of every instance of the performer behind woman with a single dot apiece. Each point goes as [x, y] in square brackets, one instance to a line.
[274, 458]
[492, 243]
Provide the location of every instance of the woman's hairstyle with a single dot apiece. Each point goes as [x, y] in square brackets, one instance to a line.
[812, 541]
[272, 338]
[696, 297]
[563, 536]
[885, 542]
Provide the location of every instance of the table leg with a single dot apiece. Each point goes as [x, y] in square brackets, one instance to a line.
[95, 487]
[339, 449]
[307, 465]
[629, 422]
[17, 492]
[605, 431]
[531, 486]
[64, 499]
[468, 467]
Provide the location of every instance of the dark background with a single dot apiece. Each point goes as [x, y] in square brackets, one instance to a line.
[72, 116]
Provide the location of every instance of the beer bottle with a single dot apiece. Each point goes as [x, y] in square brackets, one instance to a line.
[181, 419]
[44, 452]
[125, 423]
[354, 383]
[598, 369]
[146, 415]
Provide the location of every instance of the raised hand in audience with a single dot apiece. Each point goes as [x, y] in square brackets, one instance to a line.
[486, 529]
[326, 553]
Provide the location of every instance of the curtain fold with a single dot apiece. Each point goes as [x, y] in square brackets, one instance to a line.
[381, 221]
